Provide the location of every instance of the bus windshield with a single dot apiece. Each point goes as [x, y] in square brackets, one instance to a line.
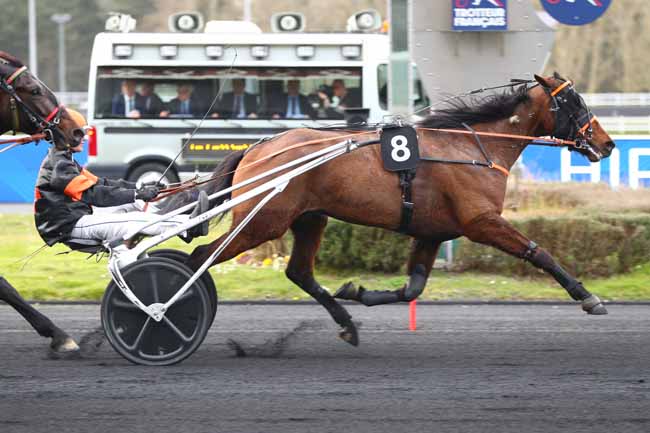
[227, 93]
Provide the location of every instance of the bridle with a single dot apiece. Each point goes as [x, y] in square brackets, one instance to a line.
[48, 125]
[573, 119]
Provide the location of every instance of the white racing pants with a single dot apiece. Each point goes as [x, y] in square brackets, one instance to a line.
[109, 223]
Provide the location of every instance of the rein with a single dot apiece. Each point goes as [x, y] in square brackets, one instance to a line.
[14, 142]
[542, 141]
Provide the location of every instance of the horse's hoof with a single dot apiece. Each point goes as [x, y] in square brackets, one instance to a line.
[350, 335]
[593, 305]
[347, 291]
[64, 349]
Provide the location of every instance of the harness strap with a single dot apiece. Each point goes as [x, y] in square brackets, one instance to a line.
[53, 114]
[15, 115]
[405, 181]
[559, 88]
[16, 74]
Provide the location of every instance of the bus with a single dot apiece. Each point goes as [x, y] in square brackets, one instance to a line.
[184, 100]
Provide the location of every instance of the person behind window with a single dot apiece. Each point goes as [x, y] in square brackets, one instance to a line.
[293, 104]
[128, 102]
[237, 104]
[342, 98]
[185, 104]
[152, 104]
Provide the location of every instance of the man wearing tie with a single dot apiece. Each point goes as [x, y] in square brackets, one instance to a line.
[128, 102]
[293, 104]
[237, 104]
[184, 104]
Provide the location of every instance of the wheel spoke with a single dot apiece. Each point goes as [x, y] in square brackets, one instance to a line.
[124, 305]
[154, 287]
[177, 331]
[136, 343]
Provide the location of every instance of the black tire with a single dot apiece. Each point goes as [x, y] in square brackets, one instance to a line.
[206, 278]
[139, 338]
[149, 168]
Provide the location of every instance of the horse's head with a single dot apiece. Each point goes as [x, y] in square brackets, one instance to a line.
[570, 119]
[27, 105]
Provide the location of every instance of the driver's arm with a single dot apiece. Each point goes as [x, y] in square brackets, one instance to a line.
[84, 186]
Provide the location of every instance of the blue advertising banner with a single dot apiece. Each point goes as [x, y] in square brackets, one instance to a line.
[576, 12]
[479, 15]
[628, 166]
[19, 170]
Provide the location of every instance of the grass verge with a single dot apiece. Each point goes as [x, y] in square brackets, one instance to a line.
[53, 276]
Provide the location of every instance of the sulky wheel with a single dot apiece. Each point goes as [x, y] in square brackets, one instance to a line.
[206, 278]
[138, 337]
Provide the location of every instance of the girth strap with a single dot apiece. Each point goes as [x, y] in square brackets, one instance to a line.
[405, 180]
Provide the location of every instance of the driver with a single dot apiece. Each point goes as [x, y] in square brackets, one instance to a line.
[66, 194]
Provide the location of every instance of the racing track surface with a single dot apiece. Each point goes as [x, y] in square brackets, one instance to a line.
[538, 368]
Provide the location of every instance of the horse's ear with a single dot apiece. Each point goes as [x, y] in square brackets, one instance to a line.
[543, 81]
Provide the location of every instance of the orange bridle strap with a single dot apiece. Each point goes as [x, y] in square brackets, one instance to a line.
[560, 87]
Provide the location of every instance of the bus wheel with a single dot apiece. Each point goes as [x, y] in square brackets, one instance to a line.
[151, 172]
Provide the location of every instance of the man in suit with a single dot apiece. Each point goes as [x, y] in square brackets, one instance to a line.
[342, 98]
[293, 104]
[237, 104]
[184, 104]
[128, 102]
[152, 104]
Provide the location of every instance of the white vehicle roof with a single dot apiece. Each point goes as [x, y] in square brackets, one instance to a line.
[282, 48]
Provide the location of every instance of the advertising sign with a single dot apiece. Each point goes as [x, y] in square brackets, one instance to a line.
[628, 166]
[576, 12]
[479, 15]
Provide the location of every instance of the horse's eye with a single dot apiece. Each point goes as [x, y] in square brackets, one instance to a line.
[36, 92]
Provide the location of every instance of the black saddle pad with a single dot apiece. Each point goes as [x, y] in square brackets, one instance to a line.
[399, 148]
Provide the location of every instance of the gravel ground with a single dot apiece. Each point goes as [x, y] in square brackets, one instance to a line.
[467, 368]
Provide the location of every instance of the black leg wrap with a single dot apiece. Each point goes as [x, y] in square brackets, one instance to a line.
[412, 290]
[543, 260]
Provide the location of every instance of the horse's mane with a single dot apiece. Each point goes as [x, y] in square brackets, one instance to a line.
[490, 108]
[8, 58]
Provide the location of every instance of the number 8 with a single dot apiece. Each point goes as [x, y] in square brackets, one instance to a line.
[400, 151]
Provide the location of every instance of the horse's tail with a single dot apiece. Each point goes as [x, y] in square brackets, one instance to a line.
[223, 175]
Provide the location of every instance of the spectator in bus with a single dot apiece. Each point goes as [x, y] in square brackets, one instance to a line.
[341, 99]
[237, 104]
[184, 104]
[293, 104]
[152, 104]
[128, 102]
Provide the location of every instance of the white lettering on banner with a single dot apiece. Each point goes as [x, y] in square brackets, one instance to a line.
[635, 173]
[566, 169]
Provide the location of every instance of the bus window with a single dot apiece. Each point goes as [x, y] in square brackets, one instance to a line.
[273, 93]
[420, 98]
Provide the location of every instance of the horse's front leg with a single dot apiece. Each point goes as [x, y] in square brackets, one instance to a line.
[423, 254]
[493, 230]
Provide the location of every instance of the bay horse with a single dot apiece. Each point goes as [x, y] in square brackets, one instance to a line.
[29, 106]
[451, 197]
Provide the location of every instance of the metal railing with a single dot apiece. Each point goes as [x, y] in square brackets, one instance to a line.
[617, 99]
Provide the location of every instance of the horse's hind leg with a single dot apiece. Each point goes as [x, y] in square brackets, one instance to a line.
[421, 260]
[491, 229]
[61, 342]
[308, 231]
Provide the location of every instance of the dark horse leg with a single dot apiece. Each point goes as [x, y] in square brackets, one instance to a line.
[307, 232]
[491, 229]
[423, 254]
[61, 344]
